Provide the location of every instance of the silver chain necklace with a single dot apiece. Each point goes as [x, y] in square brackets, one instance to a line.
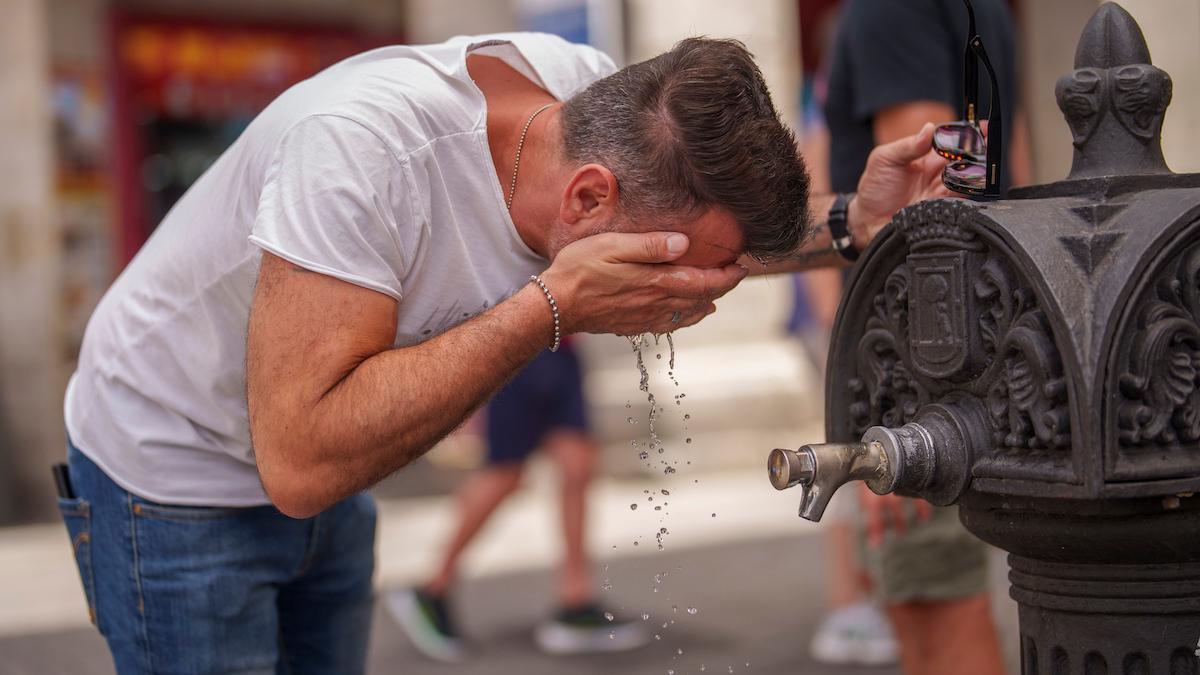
[512, 187]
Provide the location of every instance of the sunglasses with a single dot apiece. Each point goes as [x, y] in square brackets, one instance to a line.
[974, 168]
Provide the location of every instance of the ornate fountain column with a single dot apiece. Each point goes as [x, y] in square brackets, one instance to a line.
[1037, 361]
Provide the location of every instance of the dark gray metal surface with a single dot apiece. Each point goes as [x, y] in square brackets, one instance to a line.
[1048, 346]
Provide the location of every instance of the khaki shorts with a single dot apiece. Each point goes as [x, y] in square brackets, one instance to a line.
[933, 560]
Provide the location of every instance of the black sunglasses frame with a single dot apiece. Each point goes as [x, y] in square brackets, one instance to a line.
[974, 52]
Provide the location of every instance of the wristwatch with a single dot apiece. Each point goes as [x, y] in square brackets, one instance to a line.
[843, 241]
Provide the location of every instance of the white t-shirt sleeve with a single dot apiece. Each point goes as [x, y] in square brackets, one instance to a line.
[334, 201]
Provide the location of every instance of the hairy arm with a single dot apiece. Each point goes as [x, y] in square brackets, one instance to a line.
[334, 408]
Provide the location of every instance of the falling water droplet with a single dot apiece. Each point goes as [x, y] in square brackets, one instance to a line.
[633, 507]
[714, 515]
[679, 651]
[665, 492]
[608, 616]
[687, 417]
[669, 470]
[687, 440]
[692, 611]
[645, 616]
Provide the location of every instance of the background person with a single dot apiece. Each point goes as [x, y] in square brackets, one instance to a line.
[896, 67]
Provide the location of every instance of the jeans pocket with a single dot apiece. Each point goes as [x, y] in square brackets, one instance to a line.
[77, 514]
[149, 509]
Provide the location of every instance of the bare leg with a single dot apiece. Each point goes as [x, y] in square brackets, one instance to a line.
[947, 638]
[575, 454]
[847, 582]
[477, 500]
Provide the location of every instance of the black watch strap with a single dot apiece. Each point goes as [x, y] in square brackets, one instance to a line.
[843, 241]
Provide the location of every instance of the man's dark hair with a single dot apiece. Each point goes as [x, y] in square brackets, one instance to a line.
[692, 129]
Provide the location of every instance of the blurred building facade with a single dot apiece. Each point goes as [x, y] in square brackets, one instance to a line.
[112, 107]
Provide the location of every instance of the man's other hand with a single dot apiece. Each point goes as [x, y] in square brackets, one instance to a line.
[624, 283]
[899, 173]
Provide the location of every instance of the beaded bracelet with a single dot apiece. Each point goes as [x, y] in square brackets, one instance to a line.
[553, 308]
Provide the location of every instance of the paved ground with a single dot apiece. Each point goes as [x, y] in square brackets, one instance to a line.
[758, 602]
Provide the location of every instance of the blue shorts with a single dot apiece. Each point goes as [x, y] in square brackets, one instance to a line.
[546, 395]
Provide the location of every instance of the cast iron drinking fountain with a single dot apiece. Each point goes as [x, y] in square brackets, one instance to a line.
[1037, 362]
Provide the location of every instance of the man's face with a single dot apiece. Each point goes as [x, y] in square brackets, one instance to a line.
[716, 240]
[715, 237]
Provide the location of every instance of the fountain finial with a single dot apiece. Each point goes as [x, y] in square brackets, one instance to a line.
[1115, 100]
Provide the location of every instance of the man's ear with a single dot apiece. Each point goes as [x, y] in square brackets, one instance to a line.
[591, 194]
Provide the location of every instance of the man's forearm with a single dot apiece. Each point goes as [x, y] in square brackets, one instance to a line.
[818, 250]
[397, 404]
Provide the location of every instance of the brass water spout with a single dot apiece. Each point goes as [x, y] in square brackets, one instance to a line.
[820, 469]
[929, 457]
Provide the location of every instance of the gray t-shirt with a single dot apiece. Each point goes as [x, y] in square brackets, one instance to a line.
[376, 171]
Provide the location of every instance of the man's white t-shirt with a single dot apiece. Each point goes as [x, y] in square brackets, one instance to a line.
[375, 171]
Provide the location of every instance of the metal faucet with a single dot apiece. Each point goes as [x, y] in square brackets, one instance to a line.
[820, 469]
[929, 457]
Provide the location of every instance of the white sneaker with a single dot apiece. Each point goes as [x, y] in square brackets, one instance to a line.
[588, 630]
[856, 635]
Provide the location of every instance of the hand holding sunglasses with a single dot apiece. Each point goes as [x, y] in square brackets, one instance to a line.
[974, 168]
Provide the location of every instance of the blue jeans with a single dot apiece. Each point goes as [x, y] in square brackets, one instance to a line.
[178, 589]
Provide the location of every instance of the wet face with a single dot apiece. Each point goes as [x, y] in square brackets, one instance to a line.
[716, 240]
[715, 237]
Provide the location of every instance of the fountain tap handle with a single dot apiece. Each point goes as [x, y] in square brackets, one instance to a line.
[820, 469]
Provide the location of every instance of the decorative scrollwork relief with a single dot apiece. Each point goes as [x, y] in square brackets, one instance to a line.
[953, 317]
[884, 391]
[1160, 388]
[1027, 396]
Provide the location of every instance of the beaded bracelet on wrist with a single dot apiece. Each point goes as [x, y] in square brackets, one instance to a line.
[553, 308]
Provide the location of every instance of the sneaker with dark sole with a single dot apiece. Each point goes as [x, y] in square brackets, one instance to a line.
[588, 629]
[427, 621]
